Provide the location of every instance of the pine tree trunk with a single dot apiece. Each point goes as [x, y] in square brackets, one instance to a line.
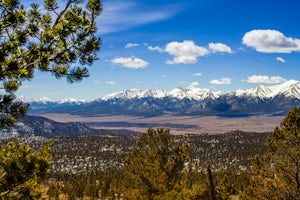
[211, 184]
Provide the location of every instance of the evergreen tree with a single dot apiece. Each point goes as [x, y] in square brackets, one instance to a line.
[21, 170]
[276, 175]
[50, 39]
[154, 168]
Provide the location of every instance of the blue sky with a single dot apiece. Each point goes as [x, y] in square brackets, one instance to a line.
[218, 44]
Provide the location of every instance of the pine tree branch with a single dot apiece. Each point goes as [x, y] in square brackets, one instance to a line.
[62, 13]
[16, 186]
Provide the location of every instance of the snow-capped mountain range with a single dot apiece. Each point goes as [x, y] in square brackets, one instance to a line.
[289, 89]
[189, 100]
[191, 93]
[47, 100]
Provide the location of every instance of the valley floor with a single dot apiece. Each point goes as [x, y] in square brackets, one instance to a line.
[177, 124]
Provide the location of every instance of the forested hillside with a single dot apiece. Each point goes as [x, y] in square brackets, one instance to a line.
[96, 161]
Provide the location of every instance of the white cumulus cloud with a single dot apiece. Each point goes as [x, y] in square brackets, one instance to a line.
[156, 48]
[129, 45]
[271, 41]
[130, 62]
[219, 47]
[185, 52]
[265, 79]
[197, 74]
[222, 81]
[280, 59]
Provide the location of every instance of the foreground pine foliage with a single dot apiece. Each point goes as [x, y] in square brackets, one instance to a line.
[51, 38]
[277, 173]
[22, 169]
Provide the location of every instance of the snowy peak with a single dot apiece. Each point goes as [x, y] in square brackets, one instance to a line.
[258, 91]
[135, 93]
[262, 91]
[191, 93]
[153, 93]
[293, 91]
[288, 89]
[128, 94]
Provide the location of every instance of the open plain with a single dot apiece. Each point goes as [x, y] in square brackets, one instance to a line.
[177, 124]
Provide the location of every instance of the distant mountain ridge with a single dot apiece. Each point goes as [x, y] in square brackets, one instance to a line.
[42, 126]
[275, 99]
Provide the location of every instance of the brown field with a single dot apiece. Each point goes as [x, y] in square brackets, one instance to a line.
[177, 124]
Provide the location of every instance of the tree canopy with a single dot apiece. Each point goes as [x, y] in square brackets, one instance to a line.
[277, 173]
[53, 38]
[154, 168]
[22, 169]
